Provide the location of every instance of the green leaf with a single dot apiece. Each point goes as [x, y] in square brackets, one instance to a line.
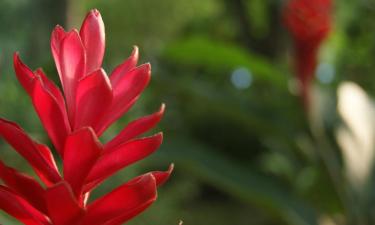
[203, 52]
[245, 184]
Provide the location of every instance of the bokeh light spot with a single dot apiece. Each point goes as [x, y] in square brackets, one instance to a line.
[241, 78]
[325, 73]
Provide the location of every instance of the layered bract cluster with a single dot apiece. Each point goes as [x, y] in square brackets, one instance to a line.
[309, 22]
[91, 101]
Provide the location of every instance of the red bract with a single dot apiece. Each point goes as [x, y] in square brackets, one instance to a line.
[74, 120]
[309, 22]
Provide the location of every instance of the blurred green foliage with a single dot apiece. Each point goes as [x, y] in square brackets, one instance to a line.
[243, 154]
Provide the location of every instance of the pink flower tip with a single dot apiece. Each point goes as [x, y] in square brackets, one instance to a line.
[95, 12]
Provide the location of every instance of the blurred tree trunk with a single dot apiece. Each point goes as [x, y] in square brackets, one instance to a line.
[268, 44]
[238, 9]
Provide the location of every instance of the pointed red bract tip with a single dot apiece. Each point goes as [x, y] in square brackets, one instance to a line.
[125, 155]
[24, 74]
[92, 33]
[124, 202]
[162, 176]
[147, 66]
[129, 64]
[136, 128]
[135, 51]
[95, 12]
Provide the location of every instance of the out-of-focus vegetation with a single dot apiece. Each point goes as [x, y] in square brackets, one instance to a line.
[242, 145]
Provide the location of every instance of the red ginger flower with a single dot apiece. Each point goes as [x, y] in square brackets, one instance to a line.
[92, 102]
[309, 22]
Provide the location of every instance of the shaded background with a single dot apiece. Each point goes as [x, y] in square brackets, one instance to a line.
[234, 126]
